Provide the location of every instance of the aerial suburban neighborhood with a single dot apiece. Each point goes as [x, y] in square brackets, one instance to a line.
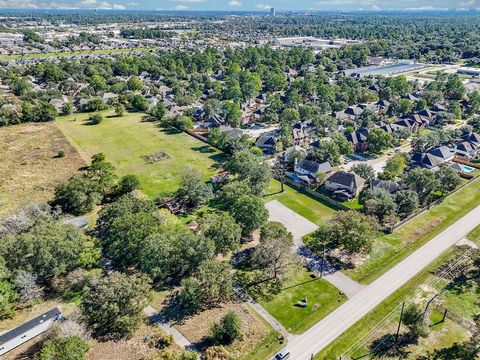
[240, 181]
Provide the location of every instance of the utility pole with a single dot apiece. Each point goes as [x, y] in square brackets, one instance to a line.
[426, 307]
[399, 323]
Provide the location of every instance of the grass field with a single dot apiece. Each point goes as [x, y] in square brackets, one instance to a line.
[392, 248]
[322, 299]
[29, 167]
[126, 140]
[302, 204]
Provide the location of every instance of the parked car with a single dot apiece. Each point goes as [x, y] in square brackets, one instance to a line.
[282, 355]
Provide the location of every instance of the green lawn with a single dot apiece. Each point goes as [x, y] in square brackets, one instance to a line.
[125, 140]
[301, 203]
[392, 248]
[322, 299]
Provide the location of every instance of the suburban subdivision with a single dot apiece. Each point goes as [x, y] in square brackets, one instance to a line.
[239, 181]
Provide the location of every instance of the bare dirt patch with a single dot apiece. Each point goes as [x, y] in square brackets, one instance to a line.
[29, 168]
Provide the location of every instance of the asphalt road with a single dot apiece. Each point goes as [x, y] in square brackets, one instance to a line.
[327, 330]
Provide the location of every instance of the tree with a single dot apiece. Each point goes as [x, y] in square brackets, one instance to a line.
[95, 119]
[326, 151]
[344, 146]
[424, 182]
[212, 107]
[407, 201]
[48, 249]
[394, 167]
[134, 84]
[138, 103]
[232, 90]
[380, 203]
[255, 171]
[119, 110]
[126, 236]
[126, 204]
[222, 229]
[227, 330]
[101, 172]
[274, 254]
[349, 230]
[448, 179]
[379, 140]
[228, 195]
[211, 285]
[64, 348]
[250, 84]
[233, 114]
[193, 191]
[113, 305]
[159, 111]
[289, 116]
[174, 252]
[8, 298]
[97, 83]
[250, 212]
[26, 285]
[413, 320]
[127, 184]
[365, 171]
[67, 108]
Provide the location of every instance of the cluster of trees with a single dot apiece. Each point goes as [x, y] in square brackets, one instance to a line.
[35, 251]
[146, 33]
[81, 193]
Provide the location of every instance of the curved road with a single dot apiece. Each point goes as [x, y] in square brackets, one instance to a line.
[327, 330]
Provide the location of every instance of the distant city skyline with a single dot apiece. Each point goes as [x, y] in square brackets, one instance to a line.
[245, 5]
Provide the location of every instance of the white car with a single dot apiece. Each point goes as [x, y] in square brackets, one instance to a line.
[282, 355]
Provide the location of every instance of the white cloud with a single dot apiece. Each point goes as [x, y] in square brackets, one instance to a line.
[376, 7]
[263, 7]
[421, 8]
[234, 3]
[118, 7]
[188, 1]
[181, 7]
[133, 3]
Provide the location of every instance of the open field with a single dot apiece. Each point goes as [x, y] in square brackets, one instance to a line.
[301, 203]
[126, 140]
[30, 169]
[322, 299]
[392, 248]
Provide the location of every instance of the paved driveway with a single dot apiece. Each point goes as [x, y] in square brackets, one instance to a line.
[327, 330]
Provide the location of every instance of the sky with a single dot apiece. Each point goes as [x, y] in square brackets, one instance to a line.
[244, 5]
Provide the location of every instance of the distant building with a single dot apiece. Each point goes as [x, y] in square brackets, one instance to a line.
[272, 12]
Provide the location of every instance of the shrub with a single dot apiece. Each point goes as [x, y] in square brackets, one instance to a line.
[95, 119]
[227, 330]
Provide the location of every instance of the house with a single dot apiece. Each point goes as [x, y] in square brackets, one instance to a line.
[300, 137]
[294, 150]
[345, 184]
[27, 331]
[359, 140]
[354, 112]
[433, 158]
[312, 168]
[465, 149]
[473, 138]
[267, 142]
[389, 185]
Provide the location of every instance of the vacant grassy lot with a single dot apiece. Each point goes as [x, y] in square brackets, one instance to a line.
[394, 247]
[29, 168]
[302, 204]
[127, 140]
[322, 299]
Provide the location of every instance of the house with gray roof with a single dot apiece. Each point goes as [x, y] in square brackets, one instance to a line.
[345, 183]
[311, 169]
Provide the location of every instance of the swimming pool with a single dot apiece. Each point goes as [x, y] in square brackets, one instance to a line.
[468, 169]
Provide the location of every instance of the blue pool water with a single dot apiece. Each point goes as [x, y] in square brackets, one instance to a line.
[468, 169]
